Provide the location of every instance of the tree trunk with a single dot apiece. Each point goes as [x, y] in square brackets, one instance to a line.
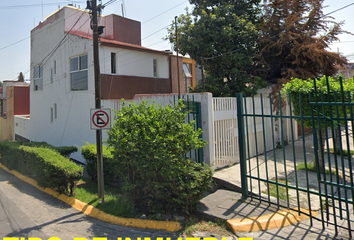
[321, 137]
[337, 138]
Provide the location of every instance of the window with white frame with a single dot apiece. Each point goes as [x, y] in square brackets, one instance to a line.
[38, 77]
[78, 73]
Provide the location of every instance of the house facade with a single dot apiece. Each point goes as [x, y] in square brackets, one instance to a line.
[15, 103]
[62, 88]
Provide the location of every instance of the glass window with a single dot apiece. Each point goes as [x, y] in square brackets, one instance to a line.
[38, 78]
[74, 64]
[51, 114]
[155, 67]
[55, 111]
[79, 73]
[83, 62]
[113, 63]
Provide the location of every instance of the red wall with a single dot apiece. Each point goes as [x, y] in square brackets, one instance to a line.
[21, 100]
[119, 86]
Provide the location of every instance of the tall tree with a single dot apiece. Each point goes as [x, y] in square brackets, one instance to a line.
[20, 77]
[223, 35]
[295, 36]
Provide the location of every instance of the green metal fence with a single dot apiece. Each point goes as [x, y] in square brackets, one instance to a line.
[194, 114]
[313, 171]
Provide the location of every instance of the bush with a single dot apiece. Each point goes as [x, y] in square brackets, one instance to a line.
[43, 164]
[150, 142]
[64, 151]
[111, 169]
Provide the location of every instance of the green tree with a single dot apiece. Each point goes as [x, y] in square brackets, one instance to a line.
[150, 143]
[222, 34]
[20, 77]
[328, 89]
[295, 36]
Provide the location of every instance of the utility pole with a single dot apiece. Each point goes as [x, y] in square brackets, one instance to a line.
[202, 68]
[97, 99]
[179, 84]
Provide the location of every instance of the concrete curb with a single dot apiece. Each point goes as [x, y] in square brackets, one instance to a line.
[91, 211]
[275, 220]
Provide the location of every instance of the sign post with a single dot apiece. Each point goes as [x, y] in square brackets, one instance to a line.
[100, 119]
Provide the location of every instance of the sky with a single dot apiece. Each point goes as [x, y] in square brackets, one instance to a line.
[19, 17]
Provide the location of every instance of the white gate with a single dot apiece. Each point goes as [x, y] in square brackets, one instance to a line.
[226, 132]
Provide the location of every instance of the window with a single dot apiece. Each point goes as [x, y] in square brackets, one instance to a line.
[51, 114]
[78, 73]
[55, 111]
[155, 67]
[51, 75]
[113, 62]
[55, 67]
[38, 77]
[187, 74]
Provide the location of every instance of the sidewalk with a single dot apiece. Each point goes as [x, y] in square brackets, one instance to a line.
[227, 203]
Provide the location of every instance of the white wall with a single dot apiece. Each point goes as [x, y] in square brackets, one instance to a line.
[134, 63]
[72, 125]
[22, 125]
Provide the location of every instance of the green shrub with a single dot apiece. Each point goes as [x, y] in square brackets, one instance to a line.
[64, 150]
[302, 92]
[111, 169]
[43, 164]
[150, 143]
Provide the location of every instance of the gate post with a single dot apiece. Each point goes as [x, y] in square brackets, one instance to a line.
[242, 144]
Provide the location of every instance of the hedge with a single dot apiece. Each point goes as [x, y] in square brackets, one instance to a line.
[111, 169]
[64, 151]
[43, 164]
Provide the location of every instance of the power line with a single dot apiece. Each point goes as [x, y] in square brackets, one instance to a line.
[34, 5]
[164, 12]
[339, 9]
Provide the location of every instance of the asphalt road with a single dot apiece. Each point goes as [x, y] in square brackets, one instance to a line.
[27, 212]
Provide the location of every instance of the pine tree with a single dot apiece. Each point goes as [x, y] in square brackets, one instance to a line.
[295, 40]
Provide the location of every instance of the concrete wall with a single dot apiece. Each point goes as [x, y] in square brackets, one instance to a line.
[134, 63]
[118, 86]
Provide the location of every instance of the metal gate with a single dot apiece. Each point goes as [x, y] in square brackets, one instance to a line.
[194, 114]
[290, 173]
[334, 171]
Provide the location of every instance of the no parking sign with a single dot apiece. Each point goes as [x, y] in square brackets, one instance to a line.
[100, 119]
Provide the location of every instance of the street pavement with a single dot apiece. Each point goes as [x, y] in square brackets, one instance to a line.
[27, 212]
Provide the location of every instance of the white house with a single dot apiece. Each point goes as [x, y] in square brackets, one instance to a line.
[62, 74]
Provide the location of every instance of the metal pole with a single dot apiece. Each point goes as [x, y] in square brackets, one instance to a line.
[97, 100]
[242, 145]
[179, 84]
[202, 62]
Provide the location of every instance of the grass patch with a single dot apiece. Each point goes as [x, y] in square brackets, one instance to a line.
[194, 224]
[115, 203]
[311, 167]
[344, 151]
[277, 192]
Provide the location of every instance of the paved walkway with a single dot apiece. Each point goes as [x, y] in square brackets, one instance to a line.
[282, 165]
